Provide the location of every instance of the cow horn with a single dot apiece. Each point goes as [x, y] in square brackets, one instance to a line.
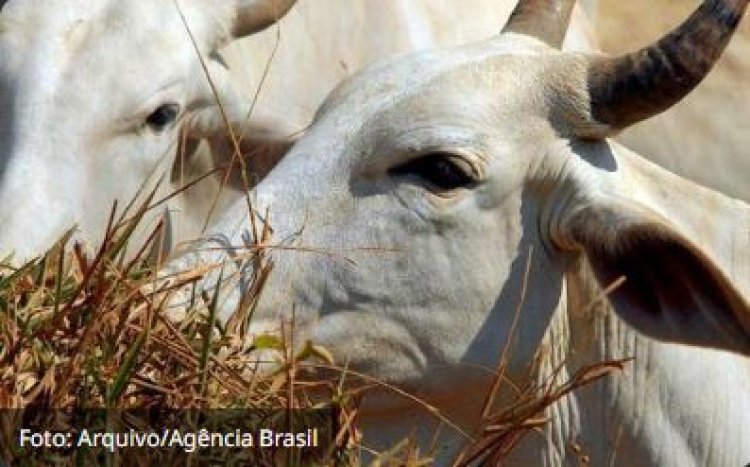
[547, 20]
[627, 89]
[256, 15]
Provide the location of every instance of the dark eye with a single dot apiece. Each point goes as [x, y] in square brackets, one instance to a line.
[163, 116]
[440, 170]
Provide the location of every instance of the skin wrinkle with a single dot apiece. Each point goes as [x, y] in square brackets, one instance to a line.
[645, 386]
[291, 79]
[552, 355]
[593, 179]
[472, 259]
[449, 246]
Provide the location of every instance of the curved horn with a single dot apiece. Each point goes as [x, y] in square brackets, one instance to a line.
[634, 87]
[547, 20]
[256, 15]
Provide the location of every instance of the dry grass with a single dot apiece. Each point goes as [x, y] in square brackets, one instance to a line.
[81, 331]
[502, 431]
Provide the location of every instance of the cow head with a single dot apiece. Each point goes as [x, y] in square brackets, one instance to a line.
[93, 97]
[436, 194]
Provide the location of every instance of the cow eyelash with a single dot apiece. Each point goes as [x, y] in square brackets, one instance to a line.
[163, 116]
[441, 171]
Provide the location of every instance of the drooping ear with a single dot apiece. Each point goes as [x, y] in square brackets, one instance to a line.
[223, 105]
[672, 289]
[255, 15]
[228, 116]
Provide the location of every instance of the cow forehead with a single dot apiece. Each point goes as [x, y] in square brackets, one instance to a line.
[63, 52]
[421, 101]
[72, 22]
[389, 80]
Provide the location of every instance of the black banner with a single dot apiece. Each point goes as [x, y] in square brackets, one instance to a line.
[256, 437]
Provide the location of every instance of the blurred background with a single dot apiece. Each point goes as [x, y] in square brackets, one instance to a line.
[705, 137]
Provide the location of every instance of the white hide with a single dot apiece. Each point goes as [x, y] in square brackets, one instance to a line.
[77, 83]
[418, 286]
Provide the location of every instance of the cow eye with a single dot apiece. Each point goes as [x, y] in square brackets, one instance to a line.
[163, 116]
[440, 170]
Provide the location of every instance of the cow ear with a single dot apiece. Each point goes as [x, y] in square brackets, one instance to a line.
[672, 290]
[223, 105]
[225, 116]
[255, 15]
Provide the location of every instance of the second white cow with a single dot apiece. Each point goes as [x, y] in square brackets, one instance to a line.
[92, 98]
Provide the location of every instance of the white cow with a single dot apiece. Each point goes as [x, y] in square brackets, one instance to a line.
[404, 220]
[92, 98]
